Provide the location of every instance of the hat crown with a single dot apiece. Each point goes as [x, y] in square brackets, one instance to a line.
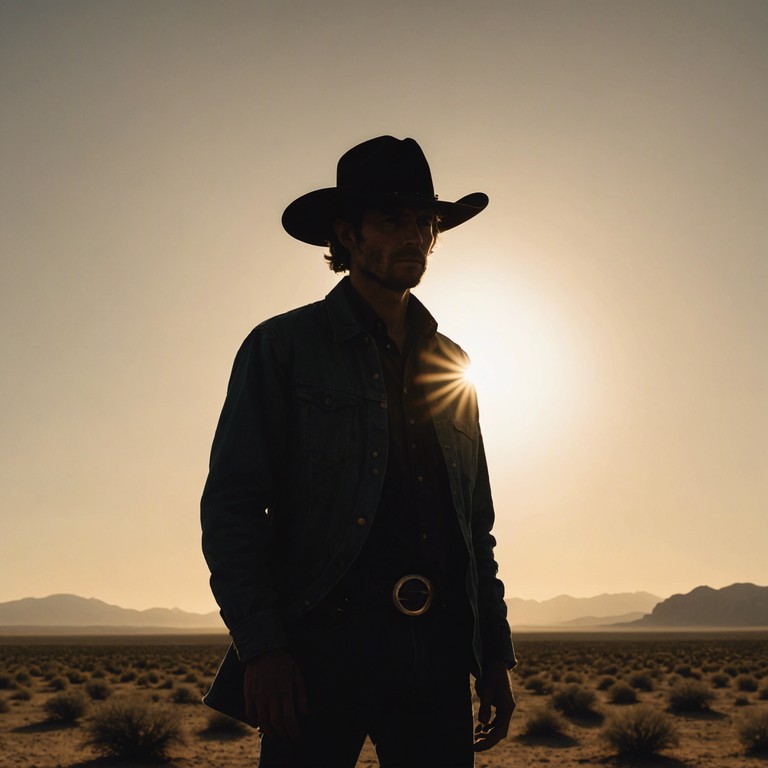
[383, 167]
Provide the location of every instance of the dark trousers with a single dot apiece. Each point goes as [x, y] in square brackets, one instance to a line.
[403, 681]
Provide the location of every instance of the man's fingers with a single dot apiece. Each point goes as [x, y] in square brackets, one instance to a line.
[484, 713]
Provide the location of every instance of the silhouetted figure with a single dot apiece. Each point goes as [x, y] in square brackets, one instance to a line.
[347, 515]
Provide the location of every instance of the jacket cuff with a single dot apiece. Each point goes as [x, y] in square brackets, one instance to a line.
[260, 632]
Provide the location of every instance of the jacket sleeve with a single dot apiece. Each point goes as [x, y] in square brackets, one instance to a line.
[248, 449]
[492, 610]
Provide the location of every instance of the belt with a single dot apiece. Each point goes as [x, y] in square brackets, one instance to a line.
[410, 595]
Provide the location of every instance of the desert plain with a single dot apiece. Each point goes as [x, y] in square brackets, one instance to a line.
[702, 695]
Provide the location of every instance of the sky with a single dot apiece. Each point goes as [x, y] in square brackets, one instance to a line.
[612, 296]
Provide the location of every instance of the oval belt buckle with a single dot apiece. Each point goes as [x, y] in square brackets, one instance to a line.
[426, 591]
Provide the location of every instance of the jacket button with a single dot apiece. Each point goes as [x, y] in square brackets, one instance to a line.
[383, 404]
[374, 454]
[376, 376]
[361, 521]
[375, 471]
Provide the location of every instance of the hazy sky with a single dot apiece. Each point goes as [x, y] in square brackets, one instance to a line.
[614, 296]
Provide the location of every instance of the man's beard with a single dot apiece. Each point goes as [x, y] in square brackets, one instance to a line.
[393, 282]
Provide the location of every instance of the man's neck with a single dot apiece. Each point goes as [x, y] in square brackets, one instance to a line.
[390, 305]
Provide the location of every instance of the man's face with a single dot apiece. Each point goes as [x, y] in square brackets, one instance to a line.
[393, 245]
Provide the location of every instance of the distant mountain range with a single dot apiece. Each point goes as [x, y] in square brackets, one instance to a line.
[580, 611]
[72, 612]
[739, 605]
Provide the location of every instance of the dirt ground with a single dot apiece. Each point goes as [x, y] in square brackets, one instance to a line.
[170, 673]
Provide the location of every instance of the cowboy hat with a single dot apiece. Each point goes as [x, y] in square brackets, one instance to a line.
[384, 170]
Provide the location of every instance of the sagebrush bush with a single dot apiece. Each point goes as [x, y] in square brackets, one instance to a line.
[753, 732]
[746, 683]
[641, 681]
[132, 729]
[183, 694]
[98, 690]
[690, 696]
[58, 683]
[605, 683]
[538, 685]
[21, 694]
[220, 724]
[622, 693]
[66, 707]
[4, 706]
[640, 731]
[719, 680]
[543, 721]
[575, 700]
[6, 683]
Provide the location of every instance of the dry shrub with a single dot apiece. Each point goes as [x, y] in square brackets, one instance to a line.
[66, 707]
[690, 696]
[6, 683]
[605, 683]
[58, 683]
[4, 706]
[538, 685]
[183, 694]
[753, 732]
[220, 724]
[640, 731]
[132, 729]
[98, 690]
[622, 693]
[543, 721]
[746, 683]
[641, 681]
[719, 680]
[575, 700]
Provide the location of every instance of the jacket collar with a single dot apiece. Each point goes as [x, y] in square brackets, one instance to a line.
[347, 322]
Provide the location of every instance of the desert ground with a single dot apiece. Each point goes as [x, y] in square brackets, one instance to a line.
[702, 696]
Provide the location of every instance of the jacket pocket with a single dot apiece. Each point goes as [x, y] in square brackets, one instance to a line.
[467, 441]
[326, 424]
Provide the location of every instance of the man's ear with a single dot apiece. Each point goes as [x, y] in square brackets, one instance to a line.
[345, 233]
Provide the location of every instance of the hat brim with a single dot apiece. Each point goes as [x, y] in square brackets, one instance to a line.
[310, 217]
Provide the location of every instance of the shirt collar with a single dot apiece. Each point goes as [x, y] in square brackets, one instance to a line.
[420, 322]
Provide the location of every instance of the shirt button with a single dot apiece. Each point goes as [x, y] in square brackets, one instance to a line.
[375, 471]
[413, 446]
[383, 404]
[424, 536]
[374, 454]
[376, 376]
[411, 421]
[420, 478]
[361, 521]
[454, 464]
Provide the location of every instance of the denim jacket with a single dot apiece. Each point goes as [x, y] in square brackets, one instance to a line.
[297, 467]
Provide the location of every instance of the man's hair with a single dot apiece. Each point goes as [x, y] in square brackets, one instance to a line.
[339, 258]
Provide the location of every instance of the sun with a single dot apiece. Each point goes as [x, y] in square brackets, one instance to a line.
[526, 366]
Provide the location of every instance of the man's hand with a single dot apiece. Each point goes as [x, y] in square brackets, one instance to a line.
[494, 691]
[274, 694]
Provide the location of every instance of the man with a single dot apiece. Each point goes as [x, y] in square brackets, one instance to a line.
[347, 514]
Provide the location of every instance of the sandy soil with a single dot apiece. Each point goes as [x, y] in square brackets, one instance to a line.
[29, 739]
